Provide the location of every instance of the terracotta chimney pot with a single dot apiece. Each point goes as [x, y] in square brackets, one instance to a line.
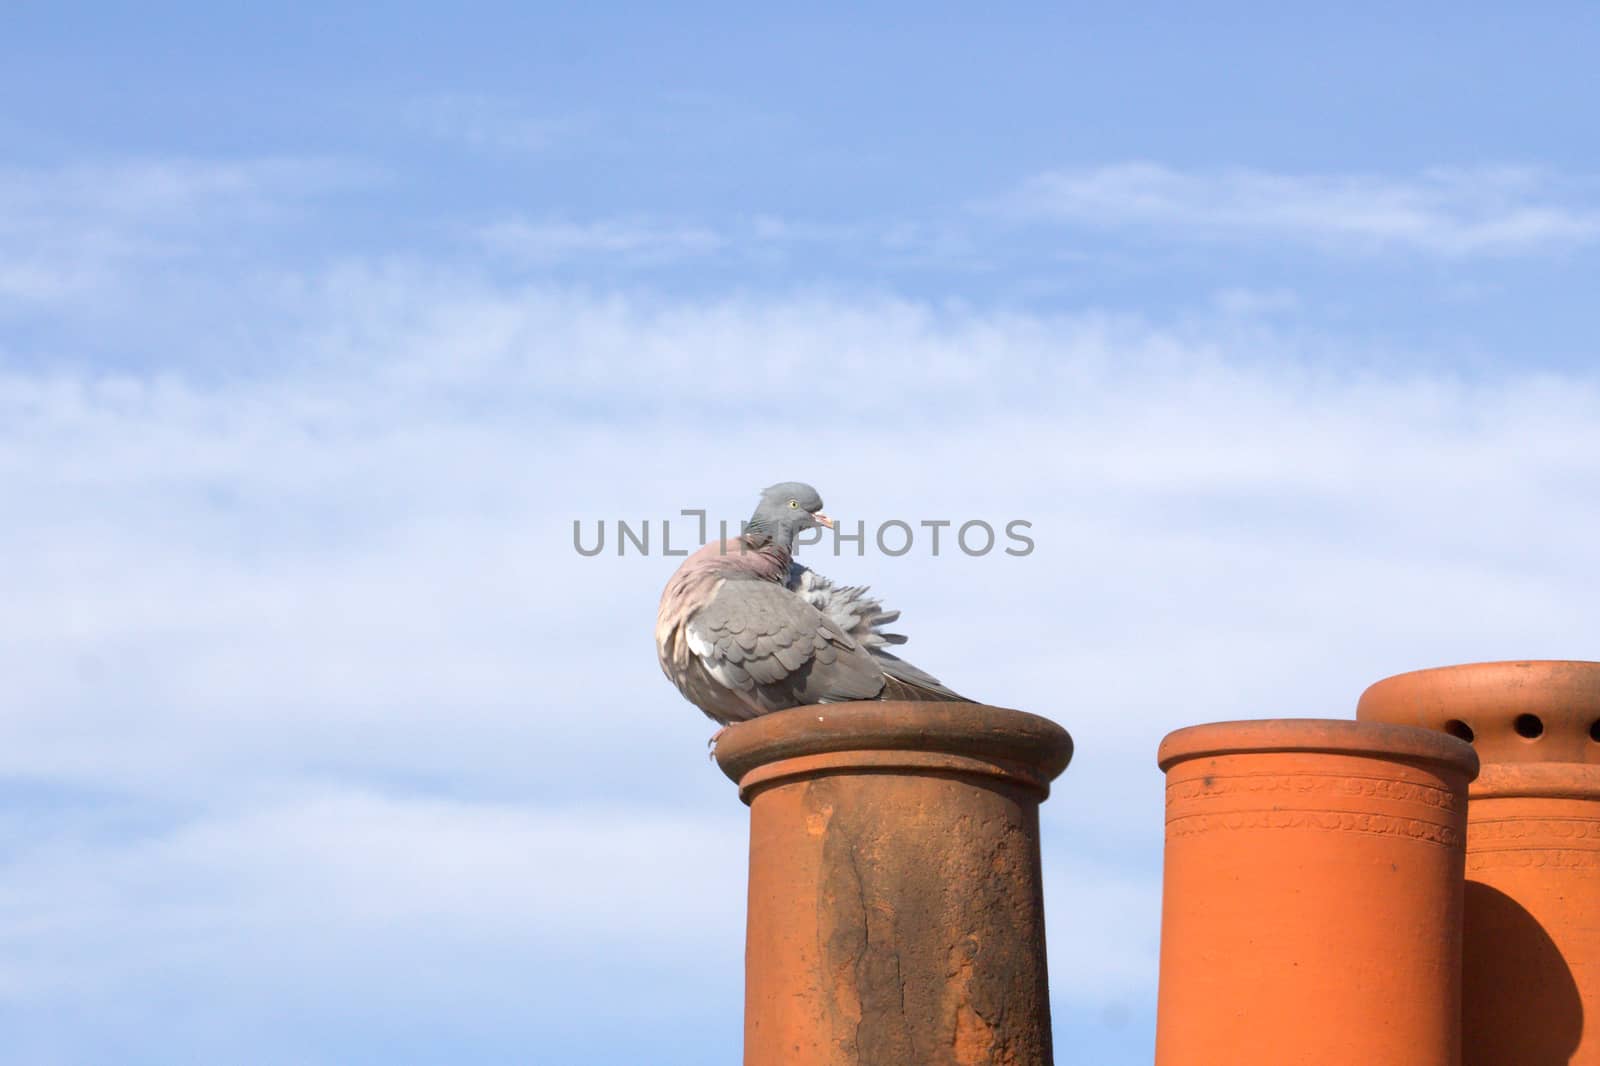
[1532, 961]
[896, 914]
[1311, 911]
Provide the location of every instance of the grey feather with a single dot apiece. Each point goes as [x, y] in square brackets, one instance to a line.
[795, 655]
[862, 617]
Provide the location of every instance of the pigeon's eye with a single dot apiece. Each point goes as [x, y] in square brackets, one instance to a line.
[794, 503]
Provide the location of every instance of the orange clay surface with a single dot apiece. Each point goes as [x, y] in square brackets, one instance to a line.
[1532, 959]
[1312, 898]
[895, 912]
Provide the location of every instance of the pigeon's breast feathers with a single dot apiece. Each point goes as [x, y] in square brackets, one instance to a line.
[696, 581]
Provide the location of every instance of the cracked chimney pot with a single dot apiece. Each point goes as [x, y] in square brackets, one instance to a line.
[1311, 910]
[895, 912]
[1532, 958]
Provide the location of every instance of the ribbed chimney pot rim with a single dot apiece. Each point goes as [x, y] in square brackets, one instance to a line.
[971, 735]
[1329, 736]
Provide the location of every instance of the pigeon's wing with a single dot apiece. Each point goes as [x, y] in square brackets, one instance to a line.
[776, 650]
[849, 607]
[862, 618]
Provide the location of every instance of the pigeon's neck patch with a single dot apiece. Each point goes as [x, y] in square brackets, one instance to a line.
[764, 557]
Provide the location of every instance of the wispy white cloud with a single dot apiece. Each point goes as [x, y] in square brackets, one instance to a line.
[342, 906]
[1442, 211]
[372, 864]
[631, 241]
[1110, 959]
[643, 241]
[69, 230]
[166, 188]
[493, 124]
[1246, 301]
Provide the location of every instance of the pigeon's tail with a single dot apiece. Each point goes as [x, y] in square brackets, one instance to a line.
[902, 681]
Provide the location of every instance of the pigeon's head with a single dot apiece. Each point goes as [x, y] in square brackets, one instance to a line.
[787, 508]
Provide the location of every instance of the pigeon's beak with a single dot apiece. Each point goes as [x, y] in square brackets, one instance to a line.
[822, 519]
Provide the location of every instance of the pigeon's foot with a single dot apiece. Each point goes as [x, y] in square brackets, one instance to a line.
[711, 745]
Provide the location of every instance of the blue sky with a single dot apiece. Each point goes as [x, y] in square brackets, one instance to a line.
[318, 331]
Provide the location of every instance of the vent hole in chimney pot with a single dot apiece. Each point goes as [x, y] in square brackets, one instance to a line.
[1461, 730]
[1529, 726]
[1594, 731]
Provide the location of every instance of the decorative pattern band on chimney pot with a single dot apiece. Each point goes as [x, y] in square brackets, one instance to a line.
[1311, 907]
[896, 913]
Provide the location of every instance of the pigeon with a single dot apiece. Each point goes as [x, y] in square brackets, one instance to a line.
[744, 630]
